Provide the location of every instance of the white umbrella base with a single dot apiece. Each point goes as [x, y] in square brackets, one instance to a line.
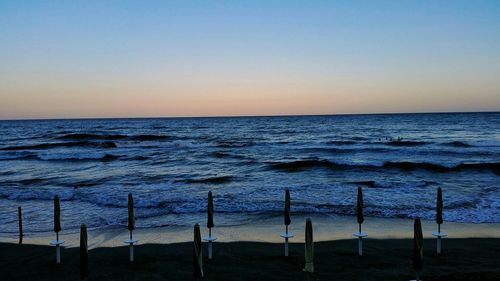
[286, 235]
[209, 239]
[58, 244]
[360, 236]
[131, 243]
[439, 236]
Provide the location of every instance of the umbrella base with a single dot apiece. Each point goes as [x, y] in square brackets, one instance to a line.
[440, 234]
[287, 235]
[56, 242]
[209, 238]
[360, 234]
[131, 241]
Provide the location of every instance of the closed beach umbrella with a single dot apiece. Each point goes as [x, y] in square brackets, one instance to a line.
[359, 209]
[57, 228]
[418, 247]
[439, 207]
[197, 254]
[57, 216]
[131, 226]
[309, 247]
[84, 256]
[210, 211]
[131, 217]
[287, 208]
[439, 220]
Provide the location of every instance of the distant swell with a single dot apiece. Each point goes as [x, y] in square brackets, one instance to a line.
[228, 144]
[106, 144]
[222, 179]
[149, 137]
[317, 163]
[338, 142]
[458, 144]
[105, 157]
[88, 136]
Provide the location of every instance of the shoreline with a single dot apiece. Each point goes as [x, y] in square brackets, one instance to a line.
[326, 228]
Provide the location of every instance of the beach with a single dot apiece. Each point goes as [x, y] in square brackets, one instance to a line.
[255, 252]
[384, 259]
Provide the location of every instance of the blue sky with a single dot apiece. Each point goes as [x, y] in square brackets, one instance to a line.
[191, 58]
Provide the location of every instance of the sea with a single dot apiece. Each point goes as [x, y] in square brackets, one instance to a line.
[170, 164]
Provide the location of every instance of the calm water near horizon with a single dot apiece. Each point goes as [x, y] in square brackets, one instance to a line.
[169, 164]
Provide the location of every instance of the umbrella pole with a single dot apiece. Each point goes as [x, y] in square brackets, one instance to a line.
[360, 243]
[286, 241]
[210, 243]
[58, 249]
[438, 246]
[131, 248]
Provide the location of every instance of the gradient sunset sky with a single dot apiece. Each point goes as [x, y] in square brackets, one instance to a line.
[65, 59]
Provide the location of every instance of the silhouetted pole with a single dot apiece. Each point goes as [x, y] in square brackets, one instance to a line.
[131, 226]
[197, 253]
[84, 255]
[287, 221]
[361, 219]
[210, 224]
[309, 247]
[57, 228]
[20, 216]
[439, 220]
[418, 248]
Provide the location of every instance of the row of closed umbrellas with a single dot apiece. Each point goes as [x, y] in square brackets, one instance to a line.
[210, 238]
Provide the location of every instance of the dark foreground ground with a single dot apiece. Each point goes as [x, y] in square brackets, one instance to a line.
[462, 259]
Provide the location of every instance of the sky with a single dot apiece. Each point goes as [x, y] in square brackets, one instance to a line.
[77, 59]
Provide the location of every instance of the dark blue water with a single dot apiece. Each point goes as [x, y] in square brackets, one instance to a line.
[170, 164]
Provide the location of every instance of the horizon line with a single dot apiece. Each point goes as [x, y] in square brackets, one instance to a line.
[246, 116]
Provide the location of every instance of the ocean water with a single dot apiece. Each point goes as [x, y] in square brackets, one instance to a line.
[169, 165]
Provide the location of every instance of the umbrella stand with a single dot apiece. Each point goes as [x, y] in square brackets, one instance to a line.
[439, 234]
[58, 244]
[209, 238]
[131, 241]
[287, 234]
[360, 234]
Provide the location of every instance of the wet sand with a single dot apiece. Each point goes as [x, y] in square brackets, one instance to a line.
[326, 228]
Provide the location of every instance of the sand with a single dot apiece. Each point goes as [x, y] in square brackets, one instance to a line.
[384, 259]
[166, 253]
